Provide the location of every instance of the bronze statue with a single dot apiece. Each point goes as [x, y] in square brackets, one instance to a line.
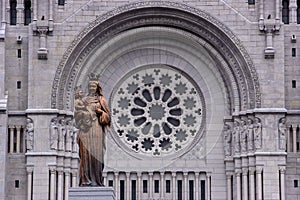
[92, 118]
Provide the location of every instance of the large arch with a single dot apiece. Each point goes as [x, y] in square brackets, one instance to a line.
[232, 60]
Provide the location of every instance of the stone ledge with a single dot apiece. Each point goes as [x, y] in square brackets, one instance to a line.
[91, 193]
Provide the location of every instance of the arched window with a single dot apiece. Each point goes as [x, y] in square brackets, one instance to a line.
[298, 11]
[27, 12]
[251, 2]
[61, 2]
[285, 11]
[13, 12]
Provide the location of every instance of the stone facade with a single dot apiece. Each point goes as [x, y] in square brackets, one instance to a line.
[203, 94]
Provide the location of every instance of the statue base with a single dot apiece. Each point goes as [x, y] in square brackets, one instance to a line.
[89, 193]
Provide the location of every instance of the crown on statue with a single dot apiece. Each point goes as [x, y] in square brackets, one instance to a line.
[94, 77]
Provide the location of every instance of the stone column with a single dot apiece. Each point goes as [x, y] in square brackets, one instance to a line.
[52, 182]
[197, 185]
[162, 185]
[208, 186]
[116, 184]
[67, 184]
[282, 183]
[74, 178]
[18, 139]
[295, 138]
[150, 185]
[229, 189]
[60, 184]
[289, 139]
[277, 9]
[11, 136]
[293, 11]
[127, 185]
[245, 183]
[29, 182]
[174, 184]
[51, 10]
[104, 174]
[24, 139]
[252, 185]
[139, 190]
[3, 12]
[185, 174]
[238, 184]
[259, 183]
[35, 10]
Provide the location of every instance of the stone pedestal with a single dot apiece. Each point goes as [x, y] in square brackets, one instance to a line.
[91, 193]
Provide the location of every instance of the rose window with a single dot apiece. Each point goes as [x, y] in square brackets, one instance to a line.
[156, 111]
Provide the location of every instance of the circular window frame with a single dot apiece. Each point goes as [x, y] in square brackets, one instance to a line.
[198, 135]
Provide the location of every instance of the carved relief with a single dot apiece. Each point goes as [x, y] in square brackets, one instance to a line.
[54, 134]
[62, 83]
[243, 133]
[282, 133]
[227, 133]
[61, 134]
[236, 136]
[29, 134]
[257, 128]
[250, 135]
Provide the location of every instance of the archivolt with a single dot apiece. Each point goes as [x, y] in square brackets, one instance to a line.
[168, 14]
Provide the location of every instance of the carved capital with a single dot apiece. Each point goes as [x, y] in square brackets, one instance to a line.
[259, 169]
[29, 169]
[52, 169]
[245, 171]
[43, 30]
[282, 169]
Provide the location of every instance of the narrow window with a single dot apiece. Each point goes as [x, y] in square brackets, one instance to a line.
[110, 183]
[19, 84]
[122, 190]
[168, 186]
[145, 186]
[19, 52]
[133, 190]
[285, 11]
[17, 184]
[202, 186]
[191, 189]
[293, 52]
[61, 2]
[27, 12]
[13, 12]
[298, 11]
[294, 83]
[179, 189]
[156, 186]
[295, 183]
[251, 2]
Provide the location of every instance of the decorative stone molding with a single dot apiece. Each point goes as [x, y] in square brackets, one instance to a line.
[246, 136]
[282, 131]
[269, 27]
[29, 135]
[42, 28]
[234, 52]
[168, 116]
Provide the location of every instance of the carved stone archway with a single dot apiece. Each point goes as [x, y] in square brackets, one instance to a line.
[221, 43]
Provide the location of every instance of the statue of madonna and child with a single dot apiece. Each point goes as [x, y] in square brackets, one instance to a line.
[92, 118]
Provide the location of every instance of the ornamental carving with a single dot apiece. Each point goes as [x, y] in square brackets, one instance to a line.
[157, 111]
[246, 73]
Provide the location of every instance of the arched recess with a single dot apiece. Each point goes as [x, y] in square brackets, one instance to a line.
[232, 61]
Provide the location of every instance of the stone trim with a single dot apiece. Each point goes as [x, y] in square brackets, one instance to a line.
[231, 47]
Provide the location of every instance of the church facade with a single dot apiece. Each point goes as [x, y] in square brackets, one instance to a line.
[203, 96]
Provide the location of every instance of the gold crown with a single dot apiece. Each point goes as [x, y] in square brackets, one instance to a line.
[94, 77]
